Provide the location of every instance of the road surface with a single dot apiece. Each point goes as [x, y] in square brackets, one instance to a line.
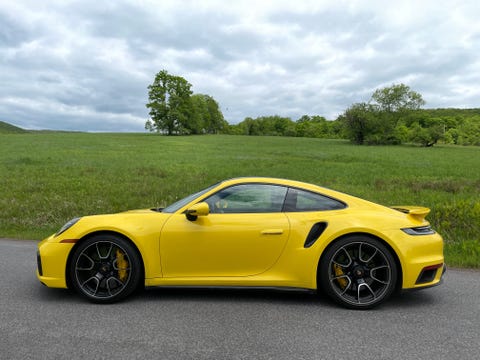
[41, 323]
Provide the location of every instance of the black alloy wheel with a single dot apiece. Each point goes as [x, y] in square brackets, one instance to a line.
[105, 268]
[358, 272]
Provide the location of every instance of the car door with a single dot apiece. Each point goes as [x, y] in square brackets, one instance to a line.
[244, 234]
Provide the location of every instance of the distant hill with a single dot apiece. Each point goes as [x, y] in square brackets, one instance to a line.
[6, 128]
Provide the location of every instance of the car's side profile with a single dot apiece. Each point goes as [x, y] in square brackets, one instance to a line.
[255, 232]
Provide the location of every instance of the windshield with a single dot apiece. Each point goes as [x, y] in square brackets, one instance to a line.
[181, 203]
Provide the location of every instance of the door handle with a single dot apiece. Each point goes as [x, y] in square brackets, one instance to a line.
[272, 232]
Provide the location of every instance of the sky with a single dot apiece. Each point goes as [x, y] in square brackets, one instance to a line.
[86, 65]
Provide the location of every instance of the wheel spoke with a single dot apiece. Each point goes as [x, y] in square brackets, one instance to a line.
[365, 285]
[97, 282]
[360, 254]
[112, 286]
[116, 267]
[108, 252]
[374, 277]
[81, 268]
[345, 277]
[350, 261]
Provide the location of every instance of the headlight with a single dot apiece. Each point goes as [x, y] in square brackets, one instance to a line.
[420, 230]
[67, 226]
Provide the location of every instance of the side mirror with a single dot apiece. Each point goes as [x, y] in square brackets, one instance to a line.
[200, 209]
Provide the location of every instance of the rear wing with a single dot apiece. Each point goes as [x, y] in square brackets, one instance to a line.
[416, 212]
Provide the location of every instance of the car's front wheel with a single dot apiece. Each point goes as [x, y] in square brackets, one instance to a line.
[358, 272]
[105, 268]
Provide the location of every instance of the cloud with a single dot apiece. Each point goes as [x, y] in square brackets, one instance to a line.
[84, 65]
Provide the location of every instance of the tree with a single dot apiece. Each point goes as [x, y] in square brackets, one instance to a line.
[382, 120]
[199, 115]
[314, 126]
[394, 104]
[427, 131]
[215, 121]
[169, 104]
[357, 122]
[397, 98]
[265, 126]
[206, 117]
[469, 131]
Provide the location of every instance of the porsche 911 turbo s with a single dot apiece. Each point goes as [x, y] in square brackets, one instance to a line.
[249, 232]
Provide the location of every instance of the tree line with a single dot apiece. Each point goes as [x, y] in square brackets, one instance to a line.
[393, 115]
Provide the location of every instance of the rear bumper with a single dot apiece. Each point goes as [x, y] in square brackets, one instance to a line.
[421, 259]
[433, 283]
[425, 276]
[429, 274]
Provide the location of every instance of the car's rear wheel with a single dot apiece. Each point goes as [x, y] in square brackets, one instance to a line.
[105, 268]
[358, 272]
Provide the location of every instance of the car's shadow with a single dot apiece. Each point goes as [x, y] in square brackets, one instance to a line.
[404, 299]
[408, 299]
[227, 294]
[194, 294]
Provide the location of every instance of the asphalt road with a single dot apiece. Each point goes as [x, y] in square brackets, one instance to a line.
[40, 323]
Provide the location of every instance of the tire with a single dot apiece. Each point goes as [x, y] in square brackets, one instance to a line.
[358, 272]
[105, 269]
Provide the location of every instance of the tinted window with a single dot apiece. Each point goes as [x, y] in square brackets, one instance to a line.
[300, 200]
[248, 198]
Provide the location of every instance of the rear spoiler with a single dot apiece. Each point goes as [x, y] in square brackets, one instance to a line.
[416, 212]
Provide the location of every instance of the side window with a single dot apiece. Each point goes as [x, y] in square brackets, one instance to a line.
[300, 200]
[248, 198]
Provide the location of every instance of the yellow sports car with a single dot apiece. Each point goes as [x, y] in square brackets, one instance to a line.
[252, 232]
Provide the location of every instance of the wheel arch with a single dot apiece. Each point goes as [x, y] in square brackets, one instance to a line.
[398, 285]
[103, 232]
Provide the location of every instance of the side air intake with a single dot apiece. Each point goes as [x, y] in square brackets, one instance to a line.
[315, 233]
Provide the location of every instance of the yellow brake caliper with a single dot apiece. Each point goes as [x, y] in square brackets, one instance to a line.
[122, 266]
[339, 272]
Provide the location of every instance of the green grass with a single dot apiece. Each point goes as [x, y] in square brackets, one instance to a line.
[48, 178]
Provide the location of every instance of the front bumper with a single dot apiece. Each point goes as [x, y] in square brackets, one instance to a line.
[52, 262]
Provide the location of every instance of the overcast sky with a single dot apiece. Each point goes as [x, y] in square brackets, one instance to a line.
[86, 65]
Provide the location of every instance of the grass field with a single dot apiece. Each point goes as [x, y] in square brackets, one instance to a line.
[48, 178]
